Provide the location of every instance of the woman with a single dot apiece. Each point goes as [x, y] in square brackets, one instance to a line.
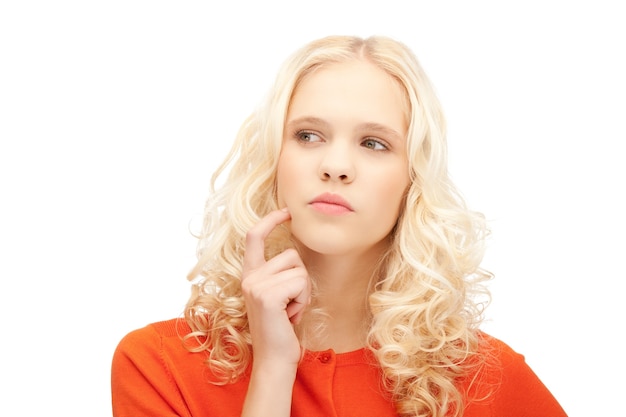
[339, 270]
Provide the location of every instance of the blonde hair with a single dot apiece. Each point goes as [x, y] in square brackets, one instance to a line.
[425, 305]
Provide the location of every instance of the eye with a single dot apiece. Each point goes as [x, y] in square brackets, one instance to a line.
[374, 145]
[307, 136]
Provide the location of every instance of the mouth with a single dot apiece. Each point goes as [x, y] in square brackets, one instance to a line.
[331, 204]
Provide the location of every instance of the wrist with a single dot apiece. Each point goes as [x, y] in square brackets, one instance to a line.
[270, 389]
[273, 371]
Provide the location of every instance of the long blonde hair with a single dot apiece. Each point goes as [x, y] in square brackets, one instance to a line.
[425, 305]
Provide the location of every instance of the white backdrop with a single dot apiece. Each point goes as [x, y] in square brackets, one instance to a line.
[113, 115]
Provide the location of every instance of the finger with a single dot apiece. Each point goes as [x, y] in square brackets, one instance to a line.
[288, 259]
[295, 311]
[279, 289]
[254, 255]
[295, 308]
[296, 293]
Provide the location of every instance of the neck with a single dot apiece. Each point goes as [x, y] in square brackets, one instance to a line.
[341, 288]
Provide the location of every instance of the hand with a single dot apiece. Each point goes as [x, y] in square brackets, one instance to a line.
[276, 292]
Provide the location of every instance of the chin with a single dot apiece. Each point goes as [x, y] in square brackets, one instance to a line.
[331, 244]
[319, 242]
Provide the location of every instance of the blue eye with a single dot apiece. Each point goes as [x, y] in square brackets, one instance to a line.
[374, 145]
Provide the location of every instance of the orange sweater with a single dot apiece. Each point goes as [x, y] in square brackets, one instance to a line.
[154, 375]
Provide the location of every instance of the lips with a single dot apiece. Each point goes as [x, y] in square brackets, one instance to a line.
[331, 204]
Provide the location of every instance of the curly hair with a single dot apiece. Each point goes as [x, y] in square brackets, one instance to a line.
[427, 300]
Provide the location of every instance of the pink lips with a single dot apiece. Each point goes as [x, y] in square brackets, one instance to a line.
[331, 204]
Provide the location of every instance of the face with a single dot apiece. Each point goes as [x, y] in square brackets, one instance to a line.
[343, 167]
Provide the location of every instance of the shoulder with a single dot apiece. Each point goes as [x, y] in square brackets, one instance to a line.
[154, 342]
[495, 350]
[499, 362]
[504, 381]
[154, 369]
[168, 329]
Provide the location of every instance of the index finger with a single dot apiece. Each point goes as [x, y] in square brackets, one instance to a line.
[254, 255]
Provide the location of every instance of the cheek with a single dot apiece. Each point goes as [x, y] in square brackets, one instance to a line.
[393, 198]
[285, 178]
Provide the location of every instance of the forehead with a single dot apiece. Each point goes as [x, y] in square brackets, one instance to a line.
[356, 89]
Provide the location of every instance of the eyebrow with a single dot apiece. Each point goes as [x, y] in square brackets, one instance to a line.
[370, 126]
[385, 130]
[309, 120]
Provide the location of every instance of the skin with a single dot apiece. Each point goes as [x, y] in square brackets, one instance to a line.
[345, 136]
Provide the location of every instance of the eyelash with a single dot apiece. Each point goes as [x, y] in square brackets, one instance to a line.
[377, 142]
[300, 134]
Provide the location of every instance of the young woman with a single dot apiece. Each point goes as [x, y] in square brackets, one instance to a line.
[339, 270]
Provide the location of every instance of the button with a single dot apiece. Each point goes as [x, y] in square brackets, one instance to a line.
[325, 357]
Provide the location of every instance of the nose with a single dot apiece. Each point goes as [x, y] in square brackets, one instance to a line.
[338, 164]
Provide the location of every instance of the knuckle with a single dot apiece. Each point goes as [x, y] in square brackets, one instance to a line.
[303, 280]
[251, 292]
[292, 254]
[246, 287]
[253, 234]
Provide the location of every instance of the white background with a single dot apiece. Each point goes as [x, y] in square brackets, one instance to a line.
[113, 115]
